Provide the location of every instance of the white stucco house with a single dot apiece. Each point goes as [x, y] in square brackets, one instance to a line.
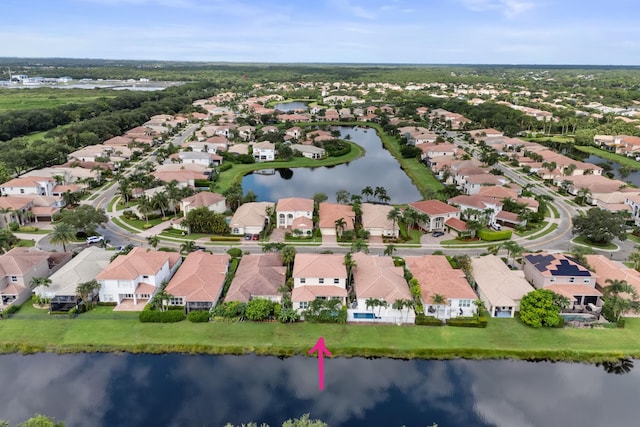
[250, 218]
[322, 276]
[291, 208]
[42, 186]
[264, 151]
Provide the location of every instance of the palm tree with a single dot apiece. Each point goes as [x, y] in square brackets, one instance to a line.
[389, 250]
[583, 193]
[394, 215]
[161, 299]
[359, 245]
[410, 218]
[634, 257]
[288, 255]
[619, 297]
[357, 221]
[350, 264]
[188, 246]
[371, 303]
[172, 193]
[62, 234]
[39, 281]
[7, 240]
[85, 291]
[381, 194]
[513, 249]
[438, 299]
[145, 207]
[161, 202]
[125, 189]
[367, 192]
[153, 241]
[340, 224]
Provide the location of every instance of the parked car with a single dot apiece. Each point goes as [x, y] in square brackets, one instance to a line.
[437, 233]
[496, 227]
[255, 237]
[94, 239]
[247, 237]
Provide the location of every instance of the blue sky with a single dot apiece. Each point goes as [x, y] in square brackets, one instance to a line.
[354, 31]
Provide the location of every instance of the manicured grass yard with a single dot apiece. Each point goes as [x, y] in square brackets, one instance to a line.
[502, 338]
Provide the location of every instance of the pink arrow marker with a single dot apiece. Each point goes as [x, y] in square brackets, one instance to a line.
[322, 350]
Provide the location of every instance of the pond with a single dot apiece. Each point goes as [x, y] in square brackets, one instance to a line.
[378, 168]
[285, 107]
[633, 177]
[100, 390]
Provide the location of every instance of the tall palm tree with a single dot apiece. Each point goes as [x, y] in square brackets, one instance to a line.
[438, 300]
[62, 234]
[350, 264]
[619, 297]
[583, 193]
[634, 257]
[367, 192]
[153, 240]
[188, 246]
[389, 250]
[160, 201]
[172, 193]
[340, 224]
[359, 245]
[410, 218]
[513, 249]
[288, 255]
[145, 207]
[39, 281]
[394, 215]
[7, 240]
[85, 291]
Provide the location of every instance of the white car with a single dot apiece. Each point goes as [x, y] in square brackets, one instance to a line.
[94, 239]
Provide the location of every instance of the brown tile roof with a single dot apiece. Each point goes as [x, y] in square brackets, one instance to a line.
[330, 212]
[203, 198]
[140, 261]
[569, 291]
[294, 204]
[257, 275]
[310, 293]
[14, 203]
[19, 261]
[606, 268]
[319, 265]
[302, 223]
[250, 214]
[200, 277]
[434, 207]
[375, 216]
[436, 276]
[377, 277]
[456, 224]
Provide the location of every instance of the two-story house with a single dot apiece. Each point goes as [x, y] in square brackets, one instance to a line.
[438, 212]
[213, 201]
[42, 186]
[264, 151]
[291, 208]
[135, 278]
[318, 276]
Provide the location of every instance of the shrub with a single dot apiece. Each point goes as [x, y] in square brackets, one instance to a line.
[225, 167]
[492, 236]
[259, 309]
[14, 226]
[235, 252]
[224, 239]
[154, 316]
[230, 309]
[621, 323]
[12, 309]
[166, 249]
[73, 312]
[423, 320]
[198, 316]
[28, 229]
[469, 322]
[147, 226]
[107, 304]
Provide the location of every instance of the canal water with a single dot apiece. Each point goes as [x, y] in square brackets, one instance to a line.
[633, 177]
[100, 390]
[285, 107]
[377, 168]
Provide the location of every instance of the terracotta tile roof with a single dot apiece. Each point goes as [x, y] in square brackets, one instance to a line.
[330, 212]
[456, 224]
[140, 261]
[475, 201]
[509, 217]
[257, 275]
[294, 204]
[377, 277]
[32, 181]
[15, 203]
[434, 207]
[250, 214]
[20, 261]
[203, 198]
[13, 289]
[375, 216]
[302, 223]
[436, 276]
[145, 288]
[65, 188]
[44, 210]
[606, 268]
[319, 265]
[200, 277]
[310, 293]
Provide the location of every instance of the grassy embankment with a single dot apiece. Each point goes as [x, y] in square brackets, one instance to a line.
[616, 158]
[503, 338]
[44, 98]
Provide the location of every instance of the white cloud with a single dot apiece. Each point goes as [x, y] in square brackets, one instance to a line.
[509, 8]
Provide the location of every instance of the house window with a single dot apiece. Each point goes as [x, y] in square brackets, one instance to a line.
[303, 280]
[572, 279]
[336, 281]
[465, 303]
[22, 191]
[304, 304]
[145, 277]
[587, 281]
[553, 280]
[321, 280]
[14, 278]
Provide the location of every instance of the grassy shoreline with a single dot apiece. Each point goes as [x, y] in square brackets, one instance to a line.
[502, 339]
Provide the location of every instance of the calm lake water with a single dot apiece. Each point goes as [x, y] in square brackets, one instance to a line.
[291, 106]
[634, 176]
[100, 390]
[378, 168]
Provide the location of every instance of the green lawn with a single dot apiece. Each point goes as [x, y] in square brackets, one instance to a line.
[502, 338]
[583, 241]
[43, 98]
[534, 230]
[549, 230]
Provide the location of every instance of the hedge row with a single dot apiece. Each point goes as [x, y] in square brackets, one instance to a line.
[154, 316]
[198, 316]
[492, 236]
[224, 239]
[468, 322]
[423, 320]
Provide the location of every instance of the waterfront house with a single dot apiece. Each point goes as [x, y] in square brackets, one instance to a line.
[309, 151]
[329, 213]
[318, 276]
[291, 208]
[375, 221]
[133, 279]
[264, 151]
[19, 266]
[198, 283]
[564, 276]
[439, 213]
[499, 288]
[213, 201]
[250, 218]
[438, 280]
[258, 276]
[377, 278]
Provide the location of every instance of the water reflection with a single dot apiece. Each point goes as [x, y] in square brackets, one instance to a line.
[178, 390]
[285, 107]
[376, 168]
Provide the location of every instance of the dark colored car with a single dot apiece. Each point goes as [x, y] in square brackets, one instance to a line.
[437, 233]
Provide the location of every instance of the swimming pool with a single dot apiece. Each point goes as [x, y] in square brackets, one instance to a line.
[578, 317]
